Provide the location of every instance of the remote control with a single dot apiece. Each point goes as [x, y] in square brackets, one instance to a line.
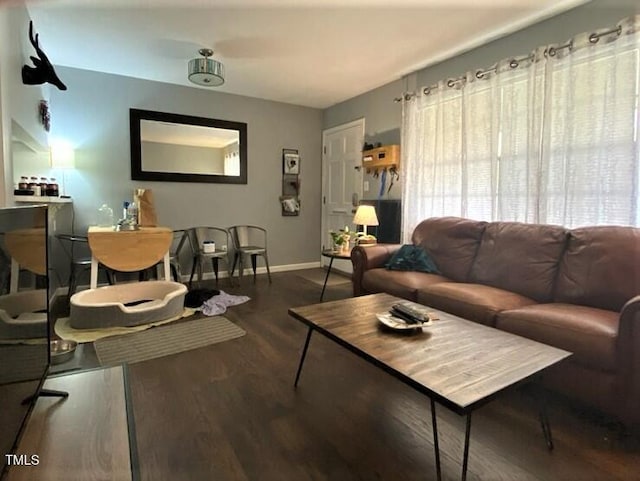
[408, 311]
[407, 319]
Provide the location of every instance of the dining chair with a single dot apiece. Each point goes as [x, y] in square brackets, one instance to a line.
[209, 244]
[249, 240]
[79, 262]
[179, 241]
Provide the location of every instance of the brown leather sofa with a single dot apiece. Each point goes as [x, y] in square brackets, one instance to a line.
[576, 289]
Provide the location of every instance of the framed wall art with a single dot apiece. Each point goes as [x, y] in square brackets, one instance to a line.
[290, 198]
[290, 162]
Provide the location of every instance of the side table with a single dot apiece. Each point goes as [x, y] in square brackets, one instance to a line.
[332, 254]
[129, 251]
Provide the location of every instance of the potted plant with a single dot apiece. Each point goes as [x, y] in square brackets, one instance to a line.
[341, 239]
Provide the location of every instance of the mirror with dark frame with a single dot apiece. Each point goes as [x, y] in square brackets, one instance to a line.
[24, 320]
[183, 148]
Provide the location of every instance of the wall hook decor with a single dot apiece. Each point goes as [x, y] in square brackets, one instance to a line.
[43, 71]
[45, 115]
[290, 198]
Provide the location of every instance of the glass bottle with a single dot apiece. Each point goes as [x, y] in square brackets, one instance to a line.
[132, 213]
[105, 216]
[24, 183]
[43, 186]
[55, 189]
[34, 186]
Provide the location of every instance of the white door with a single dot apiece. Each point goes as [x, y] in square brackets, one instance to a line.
[341, 181]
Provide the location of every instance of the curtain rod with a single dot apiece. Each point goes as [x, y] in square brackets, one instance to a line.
[513, 63]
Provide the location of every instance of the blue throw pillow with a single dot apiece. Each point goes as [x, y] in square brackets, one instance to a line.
[412, 258]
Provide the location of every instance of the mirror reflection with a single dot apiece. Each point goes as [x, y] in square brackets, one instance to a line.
[189, 149]
[24, 328]
[183, 148]
[23, 294]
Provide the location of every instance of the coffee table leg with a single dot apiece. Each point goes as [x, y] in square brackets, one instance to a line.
[304, 354]
[544, 419]
[465, 456]
[326, 278]
[436, 446]
[546, 429]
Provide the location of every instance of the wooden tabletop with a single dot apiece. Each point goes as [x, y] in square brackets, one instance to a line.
[337, 254]
[28, 248]
[459, 363]
[129, 251]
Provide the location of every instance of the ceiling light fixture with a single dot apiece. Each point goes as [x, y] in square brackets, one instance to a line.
[206, 71]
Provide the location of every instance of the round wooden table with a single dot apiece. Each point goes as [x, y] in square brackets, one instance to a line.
[333, 254]
[129, 251]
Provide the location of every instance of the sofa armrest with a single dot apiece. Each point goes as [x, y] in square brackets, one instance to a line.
[629, 358]
[370, 257]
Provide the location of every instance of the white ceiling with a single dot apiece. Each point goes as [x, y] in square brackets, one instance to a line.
[314, 53]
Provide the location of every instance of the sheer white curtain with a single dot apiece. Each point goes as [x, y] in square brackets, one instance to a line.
[550, 138]
[591, 157]
[432, 163]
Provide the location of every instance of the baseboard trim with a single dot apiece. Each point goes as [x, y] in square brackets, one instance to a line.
[222, 274]
[59, 292]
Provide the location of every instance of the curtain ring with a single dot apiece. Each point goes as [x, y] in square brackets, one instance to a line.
[450, 83]
[479, 74]
[514, 63]
[551, 52]
[426, 90]
[594, 38]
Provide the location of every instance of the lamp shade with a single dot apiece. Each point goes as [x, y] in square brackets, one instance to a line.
[365, 215]
[62, 156]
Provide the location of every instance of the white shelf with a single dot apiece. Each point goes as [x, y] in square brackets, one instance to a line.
[39, 199]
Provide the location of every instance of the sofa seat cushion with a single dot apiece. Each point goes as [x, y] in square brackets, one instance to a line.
[403, 284]
[590, 333]
[475, 302]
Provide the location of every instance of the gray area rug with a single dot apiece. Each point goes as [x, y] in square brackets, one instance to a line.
[165, 340]
[317, 277]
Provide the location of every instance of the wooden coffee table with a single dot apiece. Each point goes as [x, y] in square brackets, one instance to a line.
[460, 364]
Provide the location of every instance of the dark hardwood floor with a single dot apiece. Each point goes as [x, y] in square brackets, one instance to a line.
[229, 412]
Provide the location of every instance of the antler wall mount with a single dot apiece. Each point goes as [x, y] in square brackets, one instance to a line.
[43, 72]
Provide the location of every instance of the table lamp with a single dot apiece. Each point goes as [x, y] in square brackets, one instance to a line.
[62, 157]
[366, 216]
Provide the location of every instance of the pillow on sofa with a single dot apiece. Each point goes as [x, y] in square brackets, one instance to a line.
[412, 258]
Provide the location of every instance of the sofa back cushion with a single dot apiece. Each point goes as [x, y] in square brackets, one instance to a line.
[601, 267]
[452, 243]
[521, 258]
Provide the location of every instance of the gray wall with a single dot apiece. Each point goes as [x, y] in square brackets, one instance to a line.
[94, 116]
[23, 138]
[18, 103]
[383, 116]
